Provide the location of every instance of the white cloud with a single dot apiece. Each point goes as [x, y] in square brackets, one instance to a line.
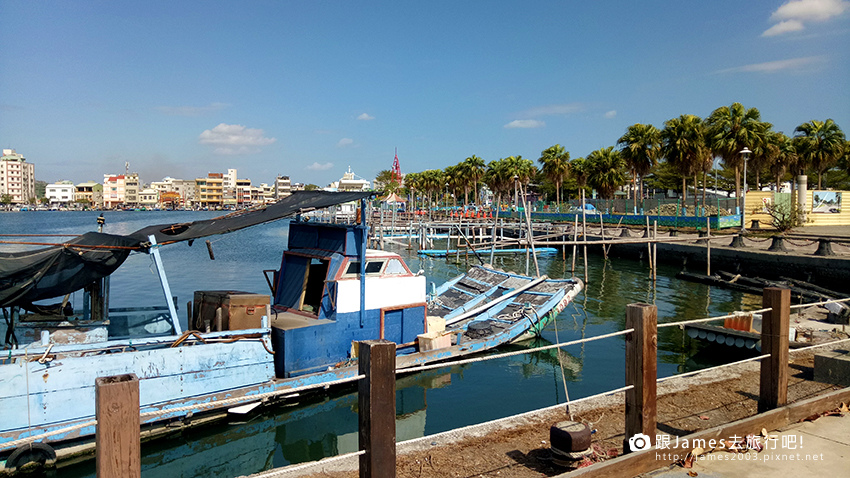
[320, 167]
[344, 142]
[793, 14]
[365, 117]
[783, 27]
[610, 114]
[226, 151]
[234, 139]
[775, 66]
[191, 110]
[529, 123]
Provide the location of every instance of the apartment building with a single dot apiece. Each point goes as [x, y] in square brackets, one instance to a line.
[113, 191]
[209, 191]
[131, 189]
[282, 187]
[17, 177]
[89, 194]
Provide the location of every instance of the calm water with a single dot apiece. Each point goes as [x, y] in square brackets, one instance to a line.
[428, 402]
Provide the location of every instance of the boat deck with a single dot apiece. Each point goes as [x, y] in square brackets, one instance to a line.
[287, 320]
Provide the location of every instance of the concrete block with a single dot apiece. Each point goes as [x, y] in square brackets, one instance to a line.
[833, 367]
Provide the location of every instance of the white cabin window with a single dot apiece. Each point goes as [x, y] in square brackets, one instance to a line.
[394, 266]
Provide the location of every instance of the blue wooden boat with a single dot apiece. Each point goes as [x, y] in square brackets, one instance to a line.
[329, 293]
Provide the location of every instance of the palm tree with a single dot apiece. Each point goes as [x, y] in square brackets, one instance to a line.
[521, 171]
[578, 170]
[473, 170]
[684, 147]
[411, 183]
[556, 166]
[606, 171]
[498, 178]
[730, 129]
[386, 180]
[822, 143]
[454, 180]
[640, 148]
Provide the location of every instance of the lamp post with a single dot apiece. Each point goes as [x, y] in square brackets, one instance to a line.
[746, 154]
[516, 193]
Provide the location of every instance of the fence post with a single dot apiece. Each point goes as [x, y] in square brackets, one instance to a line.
[376, 397]
[117, 436]
[641, 371]
[773, 384]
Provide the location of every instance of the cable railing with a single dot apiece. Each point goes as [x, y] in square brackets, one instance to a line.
[630, 387]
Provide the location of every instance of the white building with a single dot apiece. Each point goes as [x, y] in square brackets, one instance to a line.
[149, 198]
[282, 187]
[60, 193]
[350, 182]
[17, 177]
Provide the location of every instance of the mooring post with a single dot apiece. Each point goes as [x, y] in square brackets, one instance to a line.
[117, 436]
[376, 396]
[641, 371]
[773, 385]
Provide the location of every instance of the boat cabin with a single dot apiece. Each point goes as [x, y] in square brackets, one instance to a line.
[331, 292]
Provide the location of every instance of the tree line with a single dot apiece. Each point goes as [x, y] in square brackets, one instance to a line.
[668, 158]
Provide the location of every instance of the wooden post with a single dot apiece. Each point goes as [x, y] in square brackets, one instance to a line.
[117, 436]
[376, 396]
[773, 386]
[641, 371]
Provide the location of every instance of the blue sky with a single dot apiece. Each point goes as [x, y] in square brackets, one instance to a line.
[309, 88]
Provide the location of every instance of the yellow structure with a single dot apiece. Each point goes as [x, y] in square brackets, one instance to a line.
[822, 207]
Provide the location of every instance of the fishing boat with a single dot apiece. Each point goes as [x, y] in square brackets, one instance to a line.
[242, 348]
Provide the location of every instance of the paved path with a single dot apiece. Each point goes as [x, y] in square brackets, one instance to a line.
[817, 448]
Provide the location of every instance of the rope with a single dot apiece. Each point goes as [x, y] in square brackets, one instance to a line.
[561, 365]
[841, 244]
[709, 319]
[818, 345]
[805, 244]
[436, 436]
[260, 396]
[695, 372]
[292, 469]
[510, 354]
[757, 240]
[24, 441]
[833, 301]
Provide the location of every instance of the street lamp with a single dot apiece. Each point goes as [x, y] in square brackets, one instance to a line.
[746, 154]
[516, 193]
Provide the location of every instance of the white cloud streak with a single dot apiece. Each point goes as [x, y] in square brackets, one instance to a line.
[365, 117]
[527, 123]
[191, 111]
[793, 64]
[610, 114]
[320, 167]
[344, 142]
[235, 139]
[794, 14]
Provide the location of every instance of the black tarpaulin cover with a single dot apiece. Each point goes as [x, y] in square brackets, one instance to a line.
[299, 201]
[29, 276]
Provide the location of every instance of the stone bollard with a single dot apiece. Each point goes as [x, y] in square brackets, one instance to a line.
[625, 233]
[824, 248]
[674, 233]
[778, 245]
[737, 241]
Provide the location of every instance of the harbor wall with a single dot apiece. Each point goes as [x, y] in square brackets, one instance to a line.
[827, 271]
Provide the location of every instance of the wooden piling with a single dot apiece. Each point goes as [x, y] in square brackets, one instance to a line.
[641, 371]
[773, 387]
[117, 436]
[376, 397]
